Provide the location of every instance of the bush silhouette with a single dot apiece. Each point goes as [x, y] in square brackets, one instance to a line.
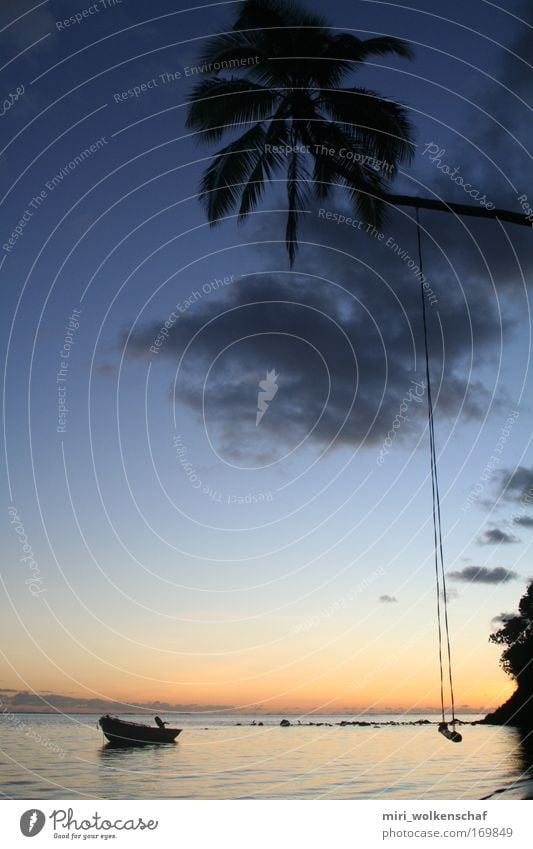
[516, 634]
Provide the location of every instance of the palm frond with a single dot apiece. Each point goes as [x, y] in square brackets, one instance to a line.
[365, 189]
[217, 105]
[333, 166]
[316, 136]
[267, 161]
[381, 126]
[367, 200]
[282, 34]
[234, 47]
[234, 43]
[349, 47]
[342, 54]
[223, 180]
[324, 176]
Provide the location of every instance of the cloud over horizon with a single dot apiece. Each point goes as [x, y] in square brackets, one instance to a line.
[495, 536]
[348, 356]
[524, 521]
[483, 575]
[26, 702]
[502, 618]
[517, 484]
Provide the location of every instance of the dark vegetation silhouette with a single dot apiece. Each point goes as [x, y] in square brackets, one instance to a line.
[284, 96]
[516, 634]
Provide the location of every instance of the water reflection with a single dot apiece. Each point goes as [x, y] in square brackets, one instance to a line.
[519, 784]
[227, 761]
[111, 751]
[524, 752]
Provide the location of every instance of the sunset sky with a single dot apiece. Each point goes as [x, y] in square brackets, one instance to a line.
[175, 549]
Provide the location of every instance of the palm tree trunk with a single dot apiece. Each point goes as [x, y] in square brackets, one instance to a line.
[458, 208]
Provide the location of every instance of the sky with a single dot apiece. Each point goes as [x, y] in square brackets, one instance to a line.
[162, 545]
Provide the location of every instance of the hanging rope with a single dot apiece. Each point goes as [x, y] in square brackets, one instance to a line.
[440, 577]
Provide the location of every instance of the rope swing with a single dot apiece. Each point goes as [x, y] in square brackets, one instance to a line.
[440, 578]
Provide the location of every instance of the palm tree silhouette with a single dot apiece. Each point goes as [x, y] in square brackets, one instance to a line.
[290, 101]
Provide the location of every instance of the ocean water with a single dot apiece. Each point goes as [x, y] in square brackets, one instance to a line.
[64, 757]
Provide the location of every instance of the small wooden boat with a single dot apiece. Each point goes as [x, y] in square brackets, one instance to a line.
[123, 733]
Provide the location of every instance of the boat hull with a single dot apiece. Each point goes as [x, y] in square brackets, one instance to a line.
[122, 733]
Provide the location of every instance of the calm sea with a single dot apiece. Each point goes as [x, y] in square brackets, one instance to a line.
[218, 759]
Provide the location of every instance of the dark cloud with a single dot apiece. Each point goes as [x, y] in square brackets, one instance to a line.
[524, 521]
[517, 484]
[512, 487]
[388, 599]
[502, 618]
[507, 103]
[512, 102]
[492, 154]
[347, 351]
[495, 536]
[24, 701]
[483, 575]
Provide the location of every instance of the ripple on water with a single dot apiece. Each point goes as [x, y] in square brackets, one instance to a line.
[264, 762]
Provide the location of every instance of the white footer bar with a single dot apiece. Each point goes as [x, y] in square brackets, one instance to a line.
[267, 824]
